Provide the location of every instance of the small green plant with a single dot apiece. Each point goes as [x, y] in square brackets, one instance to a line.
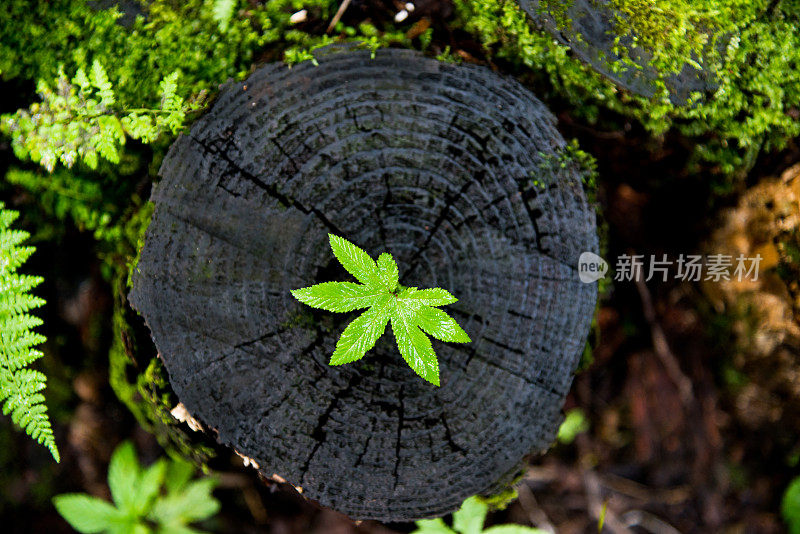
[161, 498]
[469, 519]
[80, 119]
[790, 506]
[411, 311]
[20, 387]
[575, 422]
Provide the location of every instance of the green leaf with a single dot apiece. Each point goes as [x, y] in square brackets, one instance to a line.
[414, 345]
[470, 517]
[123, 475]
[410, 311]
[223, 12]
[433, 526]
[575, 423]
[100, 81]
[338, 296]
[85, 513]
[429, 297]
[790, 506]
[362, 334]
[148, 486]
[177, 529]
[440, 325]
[129, 525]
[513, 529]
[356, 261]
[194, 503]
[20, 386]
[178, 475]
[81, 80]
[387, 270]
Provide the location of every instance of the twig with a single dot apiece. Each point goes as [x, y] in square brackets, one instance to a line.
[250, 494]
[542, 474]
[592, 484]
[630, 488]
[338, 15]
[648, 522]
[661, 346]
[536, 515]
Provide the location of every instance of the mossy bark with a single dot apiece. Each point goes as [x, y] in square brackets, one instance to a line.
[588, 28]
[444, 166]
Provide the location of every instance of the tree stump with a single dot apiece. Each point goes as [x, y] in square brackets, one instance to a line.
[455, 171]
[590, 35]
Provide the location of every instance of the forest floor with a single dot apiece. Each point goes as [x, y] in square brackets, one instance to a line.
[665, 451]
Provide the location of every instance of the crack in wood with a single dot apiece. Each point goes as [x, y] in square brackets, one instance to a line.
[448, 435]
[400, 422]
[318, 434]
[261, 338]
[272, 190]
[449, 201]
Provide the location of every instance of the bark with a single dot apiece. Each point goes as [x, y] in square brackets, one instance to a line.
[430, 161]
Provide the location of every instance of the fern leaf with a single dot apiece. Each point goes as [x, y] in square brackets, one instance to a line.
[20, 387]
[223, 12]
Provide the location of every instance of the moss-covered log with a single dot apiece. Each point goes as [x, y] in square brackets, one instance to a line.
[456, 171]
[589, 28]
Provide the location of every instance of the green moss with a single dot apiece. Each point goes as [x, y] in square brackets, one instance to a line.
[501, 500]
[680, 32]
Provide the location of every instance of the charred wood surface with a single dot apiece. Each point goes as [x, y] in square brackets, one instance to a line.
[453, 169]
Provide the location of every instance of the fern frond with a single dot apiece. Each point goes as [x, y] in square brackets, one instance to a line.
[20, 387]
[78, 119]
[223, 12]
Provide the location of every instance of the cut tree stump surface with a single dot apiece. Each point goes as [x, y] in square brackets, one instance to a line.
[590, 35]
[452, 169]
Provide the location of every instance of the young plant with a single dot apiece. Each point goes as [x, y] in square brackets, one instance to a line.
[20, 386]
[161, 498]
[469, 519]
[575, 423]
[411, 311]
[80, 119]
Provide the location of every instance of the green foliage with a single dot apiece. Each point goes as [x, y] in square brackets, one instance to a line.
[575, 422]
[469, 519]
[161, 498]
[753, 107]
[79, 120]
[790, 506]
[40, 36]
[501, 500]
[676, 34]
[411, 311]
[125, 80]
[680, 32]
[20, 386]
[223, 13]
[71, 197]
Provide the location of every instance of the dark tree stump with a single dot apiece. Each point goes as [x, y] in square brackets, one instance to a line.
[590, 36]
[430, 161]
